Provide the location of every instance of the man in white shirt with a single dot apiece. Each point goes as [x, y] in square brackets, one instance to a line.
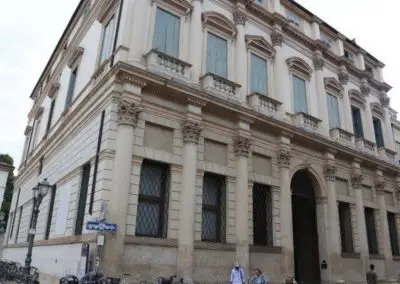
[237, 275]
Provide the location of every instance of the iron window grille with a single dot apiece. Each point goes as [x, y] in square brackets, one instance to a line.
[262, 215]
[80, 216]
[346, 231]
[152, 212]
[213, 208]
[18, 224]
[50, 213]
[371, 231]
[394, 240]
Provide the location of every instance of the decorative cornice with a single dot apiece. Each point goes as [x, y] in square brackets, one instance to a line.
[127, 112]
[191, 131]
[356, 97]
[197, 102]
[76, 55]
[260, 43]
[332, 85]
[330, 173]
[39, 112]
[356, 180]
[219, 22]
[239, 17]
[53, 90]
[276, 38]
[124, 77]
[28, 130]
[298, 64]
[365, 89]
[319, 62]
[343, 76]
[242, 145]
[284, 158]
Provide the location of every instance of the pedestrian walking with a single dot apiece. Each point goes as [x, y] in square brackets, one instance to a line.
[371, 275]
[258, 277]
[237, 275]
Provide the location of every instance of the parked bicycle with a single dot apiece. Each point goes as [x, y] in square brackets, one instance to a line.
[14, 271]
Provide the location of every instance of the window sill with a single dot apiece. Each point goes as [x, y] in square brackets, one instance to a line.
[376, 256]
[214, 246]
[148, 241]
[354, 255]
[266, 249]
[396, 257]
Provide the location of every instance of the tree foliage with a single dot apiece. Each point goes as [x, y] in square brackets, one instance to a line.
[8, 192]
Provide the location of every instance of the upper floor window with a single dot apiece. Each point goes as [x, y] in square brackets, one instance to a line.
[333, 111]
[349, 55]
[217, 55]
[36, 128]
[294, 19]
[357, 122]
[260, 56]
[51, 112]
[326, 40]
[107, 40]
[166, 33]
[300, 73]
[71, 87]
[378, 132]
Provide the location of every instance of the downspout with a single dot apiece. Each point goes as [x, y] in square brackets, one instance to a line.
[121, 3]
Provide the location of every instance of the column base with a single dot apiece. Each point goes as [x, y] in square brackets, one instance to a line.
[185, 262]
[243, 256]
[112, 258]
[287, 264]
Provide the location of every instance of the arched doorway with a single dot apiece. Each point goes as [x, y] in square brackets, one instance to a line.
[305, 232]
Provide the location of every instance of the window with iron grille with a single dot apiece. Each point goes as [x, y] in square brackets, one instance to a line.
[50, 213]
[213, 212]
[394, 240]
[262, 215]
[371, 231]
[18, 224]
[346, 232]
[152, 212]
[80, 215]
[40, 165]
[15, 213]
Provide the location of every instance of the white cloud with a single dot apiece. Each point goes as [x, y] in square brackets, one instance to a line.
[29, 31]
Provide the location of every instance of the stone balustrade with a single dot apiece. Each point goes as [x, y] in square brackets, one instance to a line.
[342, 136]
[306, 121]
[264, 104]
[160, 61]
[366, 146]
[220, 86]
[387, 154]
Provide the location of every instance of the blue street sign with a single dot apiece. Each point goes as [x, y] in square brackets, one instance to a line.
[100, 226]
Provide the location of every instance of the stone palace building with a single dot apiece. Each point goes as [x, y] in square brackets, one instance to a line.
[215, 131]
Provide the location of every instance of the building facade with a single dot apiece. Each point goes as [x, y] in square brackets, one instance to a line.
[216, 132]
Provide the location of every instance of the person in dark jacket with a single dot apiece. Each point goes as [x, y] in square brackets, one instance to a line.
[371, 275]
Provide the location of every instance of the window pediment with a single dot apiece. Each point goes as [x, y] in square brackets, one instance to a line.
[53, 90]
[296, 64]
[28, 130]
[182, 7]
[39, 112]
[75, 56]
[261, 44]
[219, 22]
[377, 109]
[105, 10]
[356, 97]
[333, 86]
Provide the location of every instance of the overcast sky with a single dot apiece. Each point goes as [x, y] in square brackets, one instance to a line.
[29, 31]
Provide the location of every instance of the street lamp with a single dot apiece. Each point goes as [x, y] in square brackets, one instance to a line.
[39, 192]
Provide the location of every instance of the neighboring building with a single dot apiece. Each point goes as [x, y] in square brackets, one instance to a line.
[217, 131]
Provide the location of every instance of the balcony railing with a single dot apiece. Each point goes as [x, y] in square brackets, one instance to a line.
[164, 62]
[366, 146]
[342, 136]
[387, 154]
[306, 121]
[264, 104]
[220, 86]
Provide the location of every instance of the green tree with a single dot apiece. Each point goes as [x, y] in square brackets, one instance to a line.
[8, 192]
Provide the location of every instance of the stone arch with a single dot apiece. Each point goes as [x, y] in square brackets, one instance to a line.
[333, 86]
[298, 64]
[219, 22]
[316, 179]
[261, 44]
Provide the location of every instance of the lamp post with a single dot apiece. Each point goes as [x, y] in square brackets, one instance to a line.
[39, 192]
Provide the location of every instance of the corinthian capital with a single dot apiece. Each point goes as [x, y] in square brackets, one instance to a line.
[127, 112]
[284, 158]
[343, 76]
[242, 145]
[239, 17]
[276, 38]
[365, 89]
[318, 61]
[356, 180]
[191, 131]
[385, 100]
[379, 184]
[330, 172]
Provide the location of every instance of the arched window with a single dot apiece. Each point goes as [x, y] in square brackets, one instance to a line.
[300, 75]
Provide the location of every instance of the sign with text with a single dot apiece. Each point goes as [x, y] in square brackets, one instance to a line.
[100, 226]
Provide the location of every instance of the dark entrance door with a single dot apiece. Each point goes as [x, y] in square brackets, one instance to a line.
[305, 234]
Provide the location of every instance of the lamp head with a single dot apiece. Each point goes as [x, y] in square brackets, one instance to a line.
[44, 187]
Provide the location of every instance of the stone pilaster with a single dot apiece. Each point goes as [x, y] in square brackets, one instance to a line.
[388, 133]
[344, 80]
[334, 249]
[121, 181]
[196, 37]
[379, 184]
[242, 145]
[369, 125]
[191, 129]
[240, 18]
[284, 156]
[319, 63]
[279, 68]
[356, 181]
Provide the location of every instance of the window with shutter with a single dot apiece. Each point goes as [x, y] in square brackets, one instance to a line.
[259, 77]
[166, 33]
[394, 240]
[357, 122]
[371, 231]
[346, 232]
[262, 215]
[378, 132]
[217, 55]
[333, 111]
[299, 95]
